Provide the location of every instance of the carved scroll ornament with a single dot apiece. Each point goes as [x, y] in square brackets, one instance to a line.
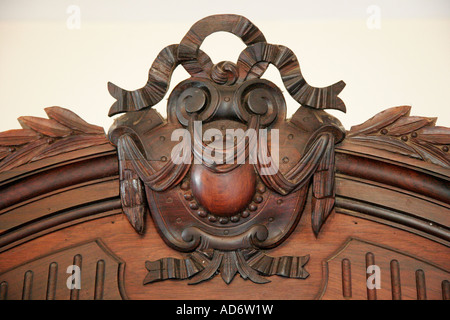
[223, 213]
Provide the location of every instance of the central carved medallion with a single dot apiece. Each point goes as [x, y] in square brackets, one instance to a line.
[223, 194]
[226, 175]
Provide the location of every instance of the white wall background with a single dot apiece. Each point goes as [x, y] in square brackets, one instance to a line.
[44, 63]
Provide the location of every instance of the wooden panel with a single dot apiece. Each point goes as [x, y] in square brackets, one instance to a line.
[393, 198]
[135, 249]
[63, 200]
[46, 277]
[403, 276]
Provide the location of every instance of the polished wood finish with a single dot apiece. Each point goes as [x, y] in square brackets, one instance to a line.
[226, 194]
[41, 138]
[134, 221]
[45, 277]
[394, 130]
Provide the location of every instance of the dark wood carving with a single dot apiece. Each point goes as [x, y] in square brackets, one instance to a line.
[382, 187]
[252, 63]
[216, 204]
[248, 263]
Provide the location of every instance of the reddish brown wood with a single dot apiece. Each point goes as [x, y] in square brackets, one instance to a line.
[397, 176]
[45, 277]
[226, 194]
[134, 250]
[346, 278]
[395, 280]
[58, 178]
[394, 130]
[41, 138]
[383, 192]
[394, 265]
[17, 137]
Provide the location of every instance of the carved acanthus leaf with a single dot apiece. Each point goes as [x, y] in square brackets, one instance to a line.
[42, 138]
[434, 135]
[407, 125]
[395, 131]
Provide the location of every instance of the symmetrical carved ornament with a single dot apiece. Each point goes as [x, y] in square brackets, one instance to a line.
[224, 213]
[226, 176]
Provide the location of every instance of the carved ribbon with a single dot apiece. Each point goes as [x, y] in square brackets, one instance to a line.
[200, 266]
[286, 266]
[252, 63]
[286, 62]
[171, 268]
[235, 24]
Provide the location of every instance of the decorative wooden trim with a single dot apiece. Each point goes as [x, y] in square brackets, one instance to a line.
[226, 95]
[394, 175]
[201, 266]
[41, 138]
[30, 230]
[362, 253]
[252, 63]
[58, 178]
[108, 284]
[395, 131]
[224, 218]
[394, 216]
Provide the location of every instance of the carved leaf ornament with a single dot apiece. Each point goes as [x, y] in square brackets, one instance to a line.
[396, 131]
[41, 138]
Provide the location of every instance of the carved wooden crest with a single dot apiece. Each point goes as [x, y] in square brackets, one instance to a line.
[226, 175]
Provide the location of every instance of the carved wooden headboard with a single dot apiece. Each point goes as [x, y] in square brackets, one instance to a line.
[225, 195]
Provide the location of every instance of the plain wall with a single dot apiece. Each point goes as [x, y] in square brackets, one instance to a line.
[45, 63]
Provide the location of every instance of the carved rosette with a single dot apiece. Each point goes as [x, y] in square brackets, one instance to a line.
[223, 206]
